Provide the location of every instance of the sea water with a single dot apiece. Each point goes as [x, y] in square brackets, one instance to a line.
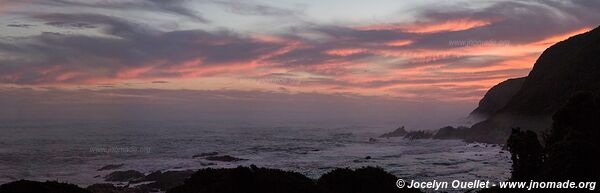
[73, 151]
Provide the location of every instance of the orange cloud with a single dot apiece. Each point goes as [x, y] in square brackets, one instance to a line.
[67, 76]
[345, 52]
[431, 27]
[399, 43]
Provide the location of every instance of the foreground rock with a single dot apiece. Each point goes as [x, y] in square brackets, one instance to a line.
[246, 179]
[254, 179]
[234, 180]
[138, 182]
[368, 179]
[25, 186]
[162, 181]
[109, 188]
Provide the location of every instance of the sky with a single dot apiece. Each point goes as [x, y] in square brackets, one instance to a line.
[317, 55]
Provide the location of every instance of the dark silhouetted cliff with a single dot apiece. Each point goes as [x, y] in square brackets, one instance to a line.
[564, 69]
[496, 98]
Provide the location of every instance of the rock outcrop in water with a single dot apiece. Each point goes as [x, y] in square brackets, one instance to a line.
[412, 135]
[396, 133]
[447, 132]
[450, 132]
[561, 71]
[111, 167]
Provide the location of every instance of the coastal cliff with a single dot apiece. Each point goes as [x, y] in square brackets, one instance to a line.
[567, 67]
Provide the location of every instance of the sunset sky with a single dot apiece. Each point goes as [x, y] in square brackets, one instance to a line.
[409, 50]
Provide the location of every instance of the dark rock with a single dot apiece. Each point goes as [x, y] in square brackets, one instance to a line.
[396, 133]
[111, 167]
[496, 98]
[573, 143]
[372, 140]
[224, 158]
[163, 180]
[246, 179]
[368, 157]
[263, 180]
[368, 179]
[109, 188]
[450, 132]
[526, 153]
[571, 147]
[25, 186]
[123, 176]
[412, 135]
[232, 180]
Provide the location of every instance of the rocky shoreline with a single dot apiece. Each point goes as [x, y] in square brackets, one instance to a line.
[240, 179]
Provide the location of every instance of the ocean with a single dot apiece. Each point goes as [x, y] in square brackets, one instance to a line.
[73, 151]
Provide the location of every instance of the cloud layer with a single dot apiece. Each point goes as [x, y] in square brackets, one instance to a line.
[444, 54]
